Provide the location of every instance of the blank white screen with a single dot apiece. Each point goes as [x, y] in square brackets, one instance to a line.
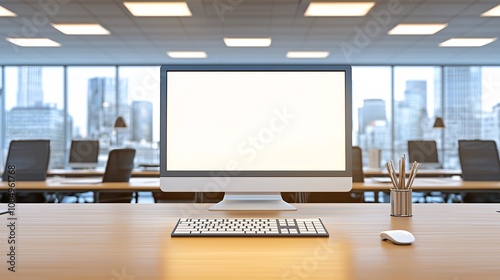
[255, 121]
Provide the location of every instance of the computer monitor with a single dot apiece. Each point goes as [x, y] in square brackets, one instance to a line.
[424, 152]
[253, 131]
[83, 154]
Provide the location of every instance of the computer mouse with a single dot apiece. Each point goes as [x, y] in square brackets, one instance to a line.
[399, 237]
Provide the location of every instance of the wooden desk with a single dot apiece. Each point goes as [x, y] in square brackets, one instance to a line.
[153, 185]
[433, 184]
[156, 173]
[132, 241]
[58, 185]
[99, 172]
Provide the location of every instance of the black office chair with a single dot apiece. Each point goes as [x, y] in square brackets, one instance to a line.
[30, 159]
[480, 162]
[118, 169]
[357, 176]
[425, 152]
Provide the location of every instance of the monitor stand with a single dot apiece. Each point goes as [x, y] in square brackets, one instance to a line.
[3, 211]
[253, 201]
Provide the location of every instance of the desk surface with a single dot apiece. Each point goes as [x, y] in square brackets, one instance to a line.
[132, 241]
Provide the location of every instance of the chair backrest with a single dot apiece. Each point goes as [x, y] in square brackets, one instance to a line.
[423, 151]
[357, 165]
[30, 158]
[479, 160]
[119, 166]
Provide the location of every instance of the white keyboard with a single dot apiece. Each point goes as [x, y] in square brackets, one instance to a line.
[251, 227]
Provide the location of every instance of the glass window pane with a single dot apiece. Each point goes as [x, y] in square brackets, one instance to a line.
[34, 106]
[372, 118]
[2, 121]
[462, 109]
[417, 103]
[140, 103]
[491, 103]
[92, 105]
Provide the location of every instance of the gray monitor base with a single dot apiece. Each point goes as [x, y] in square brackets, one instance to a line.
[253, 201]
[3, 211]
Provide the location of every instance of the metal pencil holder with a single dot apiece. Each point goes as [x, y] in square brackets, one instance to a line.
[401, 202]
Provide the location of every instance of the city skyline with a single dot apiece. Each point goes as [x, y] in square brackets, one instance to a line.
[32, 118]
[369, 83]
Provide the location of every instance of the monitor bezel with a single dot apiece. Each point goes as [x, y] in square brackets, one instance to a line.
[260, 68]
[83, 164]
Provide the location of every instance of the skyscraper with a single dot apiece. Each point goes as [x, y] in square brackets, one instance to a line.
[372, 110]
[462, 109]
[462, 103]
[142, 121]
[39, 122]
[374, 130]
[495, 127]
[105, 105]
[32, 119]
[30, 91]
[412, 113]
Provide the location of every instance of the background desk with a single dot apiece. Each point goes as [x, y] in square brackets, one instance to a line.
[432, 184]
[156, 173]
[370, 172]
[132, 241]
[57, 186]
[99, 172]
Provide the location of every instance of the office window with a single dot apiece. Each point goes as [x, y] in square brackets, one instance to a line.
[34, 107]
[462, 99]
[140, 98]
[372, 110]
[417, 103]
[2, 120]
[93, 106]
[490, 104]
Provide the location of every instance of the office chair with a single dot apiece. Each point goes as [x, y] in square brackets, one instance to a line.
[31, 161]
[118, 169]
[357, 176]
[425, 152]
[480, 162]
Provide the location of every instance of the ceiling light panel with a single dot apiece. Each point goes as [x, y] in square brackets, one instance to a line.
[338, 9]
[158, 9]
[247, 42]
[495, 12]
[467, 42]
[307, 54]
[6, 13]
[81, 29]
[187, 54]
[417, 29]
[33, 42]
